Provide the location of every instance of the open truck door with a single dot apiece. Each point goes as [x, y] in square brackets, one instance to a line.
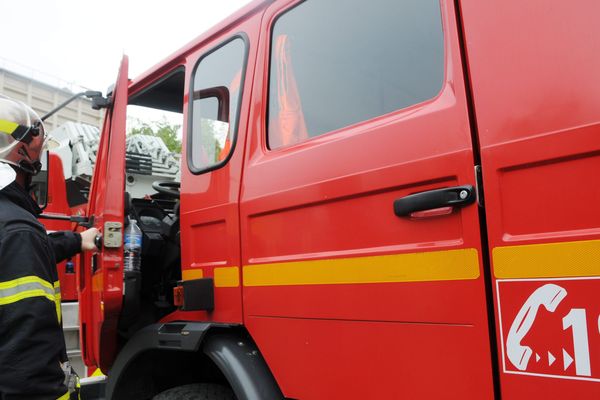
[101, 274]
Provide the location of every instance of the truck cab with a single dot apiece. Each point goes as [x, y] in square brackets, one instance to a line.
[373, 203]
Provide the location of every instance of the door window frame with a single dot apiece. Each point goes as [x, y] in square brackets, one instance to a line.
[190, 132]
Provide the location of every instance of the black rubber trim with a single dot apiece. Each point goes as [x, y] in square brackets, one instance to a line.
[243, 365]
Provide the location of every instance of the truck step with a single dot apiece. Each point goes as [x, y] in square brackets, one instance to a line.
[70, 313]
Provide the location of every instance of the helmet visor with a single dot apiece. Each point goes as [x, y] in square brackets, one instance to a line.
[50, 143]
[21, 133]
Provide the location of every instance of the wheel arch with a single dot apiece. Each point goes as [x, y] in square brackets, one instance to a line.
[161, 356]
[240, 360]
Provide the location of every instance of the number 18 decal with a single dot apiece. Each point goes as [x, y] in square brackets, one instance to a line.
[553, 327]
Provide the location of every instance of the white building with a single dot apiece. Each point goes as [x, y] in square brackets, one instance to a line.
[43, 97]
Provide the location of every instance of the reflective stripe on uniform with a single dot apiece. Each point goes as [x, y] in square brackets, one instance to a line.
[57, 300]
[28, 287]
[8, 127]
[21, 288]
[65, 396]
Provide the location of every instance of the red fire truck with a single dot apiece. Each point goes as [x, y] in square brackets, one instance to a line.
[378, 200]
[57, 205]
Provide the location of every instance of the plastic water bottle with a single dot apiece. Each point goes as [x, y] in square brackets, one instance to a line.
[133, 247]
[70, 267]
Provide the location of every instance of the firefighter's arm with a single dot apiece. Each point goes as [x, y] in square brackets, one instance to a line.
[66, 243]
[32, 342]
[88, 240]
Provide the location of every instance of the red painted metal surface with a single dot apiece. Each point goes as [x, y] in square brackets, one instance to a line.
[101, 278]
[331, 198]
[214, 34]
[536, 99]
[209, 204]
[534, 74]
[57, 204]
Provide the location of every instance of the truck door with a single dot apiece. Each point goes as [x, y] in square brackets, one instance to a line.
[346, 295]
[534, 71]
[210, 182]
[101, 275]
[58, 205]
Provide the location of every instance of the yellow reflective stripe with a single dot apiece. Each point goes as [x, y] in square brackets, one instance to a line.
[26, 279]
[28, 287]
[446, 265]
[548, 260]
[190, 274]
[24, 287]
[8, 127]
[25, 295]
[65, 396]
[223, 276]
[227, 276]
[57, 300]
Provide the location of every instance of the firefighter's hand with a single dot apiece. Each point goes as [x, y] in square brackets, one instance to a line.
[88, 239]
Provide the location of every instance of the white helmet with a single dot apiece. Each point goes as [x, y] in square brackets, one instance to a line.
[22, 135]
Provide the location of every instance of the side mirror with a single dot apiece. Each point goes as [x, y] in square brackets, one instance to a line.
[39, 183]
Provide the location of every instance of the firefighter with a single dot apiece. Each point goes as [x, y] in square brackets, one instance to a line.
[33, 363]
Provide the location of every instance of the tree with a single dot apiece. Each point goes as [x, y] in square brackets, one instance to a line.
[162, 129]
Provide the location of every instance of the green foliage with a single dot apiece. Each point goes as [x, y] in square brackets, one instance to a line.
[162, 129]
[209, 143]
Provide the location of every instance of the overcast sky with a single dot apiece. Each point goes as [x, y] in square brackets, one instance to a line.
[82, 42]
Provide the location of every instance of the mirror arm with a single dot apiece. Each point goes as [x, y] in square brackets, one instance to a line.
[98, 102]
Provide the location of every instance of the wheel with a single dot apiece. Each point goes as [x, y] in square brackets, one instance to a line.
[168, 188]
[197, 391]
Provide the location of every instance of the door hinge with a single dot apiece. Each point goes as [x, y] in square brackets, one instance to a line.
[479, 186]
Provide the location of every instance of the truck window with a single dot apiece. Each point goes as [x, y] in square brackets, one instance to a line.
[153, 145]
[216, 95]
[338, 70]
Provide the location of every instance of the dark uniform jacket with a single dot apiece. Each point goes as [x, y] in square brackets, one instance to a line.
[31, 340]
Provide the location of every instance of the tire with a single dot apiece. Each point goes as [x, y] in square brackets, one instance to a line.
[197, 391]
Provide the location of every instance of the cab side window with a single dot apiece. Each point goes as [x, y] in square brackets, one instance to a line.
[216, 95]
[334, 64]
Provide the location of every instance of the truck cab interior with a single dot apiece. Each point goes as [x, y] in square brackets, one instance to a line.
[148, 294]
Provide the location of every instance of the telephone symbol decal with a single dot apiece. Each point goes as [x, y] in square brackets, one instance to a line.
[549, 296]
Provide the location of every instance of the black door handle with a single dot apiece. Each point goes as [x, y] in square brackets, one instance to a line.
[98, 242]
[457, 196]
